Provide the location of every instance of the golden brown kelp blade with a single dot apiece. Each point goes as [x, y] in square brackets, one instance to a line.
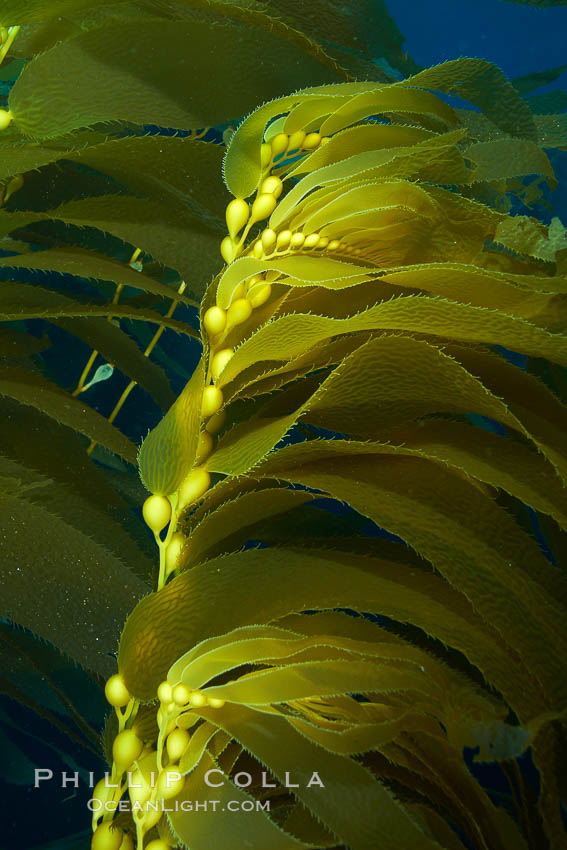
[31, 389]
[169, 236]
[16, 12]
[99, 65]
[395, 349]
[368, 281]
[345, 39]
[31, 575]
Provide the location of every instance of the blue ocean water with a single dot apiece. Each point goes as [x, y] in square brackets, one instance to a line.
[517, 37]
[520, 38]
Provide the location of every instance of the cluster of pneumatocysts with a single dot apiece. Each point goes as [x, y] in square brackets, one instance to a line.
[149, 775]
[162, 511]
[241, 217]
[174, 701]
[153, 773]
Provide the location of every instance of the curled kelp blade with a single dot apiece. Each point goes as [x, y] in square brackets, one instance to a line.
[526, 396]
[53, 488]
[507, 464]
[93, 59]
[14, 12]
[269, 376]
[185, 172]
[167, 453]
[364, 786]
[113, 344]
[373, 804]
[87, 264]
[277, 648]
[303, 271]
[348, 103]
[430, 383]
[174, 642]
[223, 652]
[61, 548]
[229, 526]
[25, 301]
[435, 157]
[31, 389]
[365, 485]
[500, 462]
[401, 593]
[136, 221]
[402, 396]
[370, 166]
[251, 824]
[290, 335]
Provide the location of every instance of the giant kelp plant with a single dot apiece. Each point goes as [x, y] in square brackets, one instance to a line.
[358, 497]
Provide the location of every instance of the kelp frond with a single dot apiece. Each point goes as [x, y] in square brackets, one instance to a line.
[369, 290]
[375, 289]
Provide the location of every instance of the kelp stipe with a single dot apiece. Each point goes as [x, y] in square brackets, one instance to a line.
[367, 283]
[362, 221]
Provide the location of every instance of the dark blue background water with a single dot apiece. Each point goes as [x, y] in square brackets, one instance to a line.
[518, 38]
